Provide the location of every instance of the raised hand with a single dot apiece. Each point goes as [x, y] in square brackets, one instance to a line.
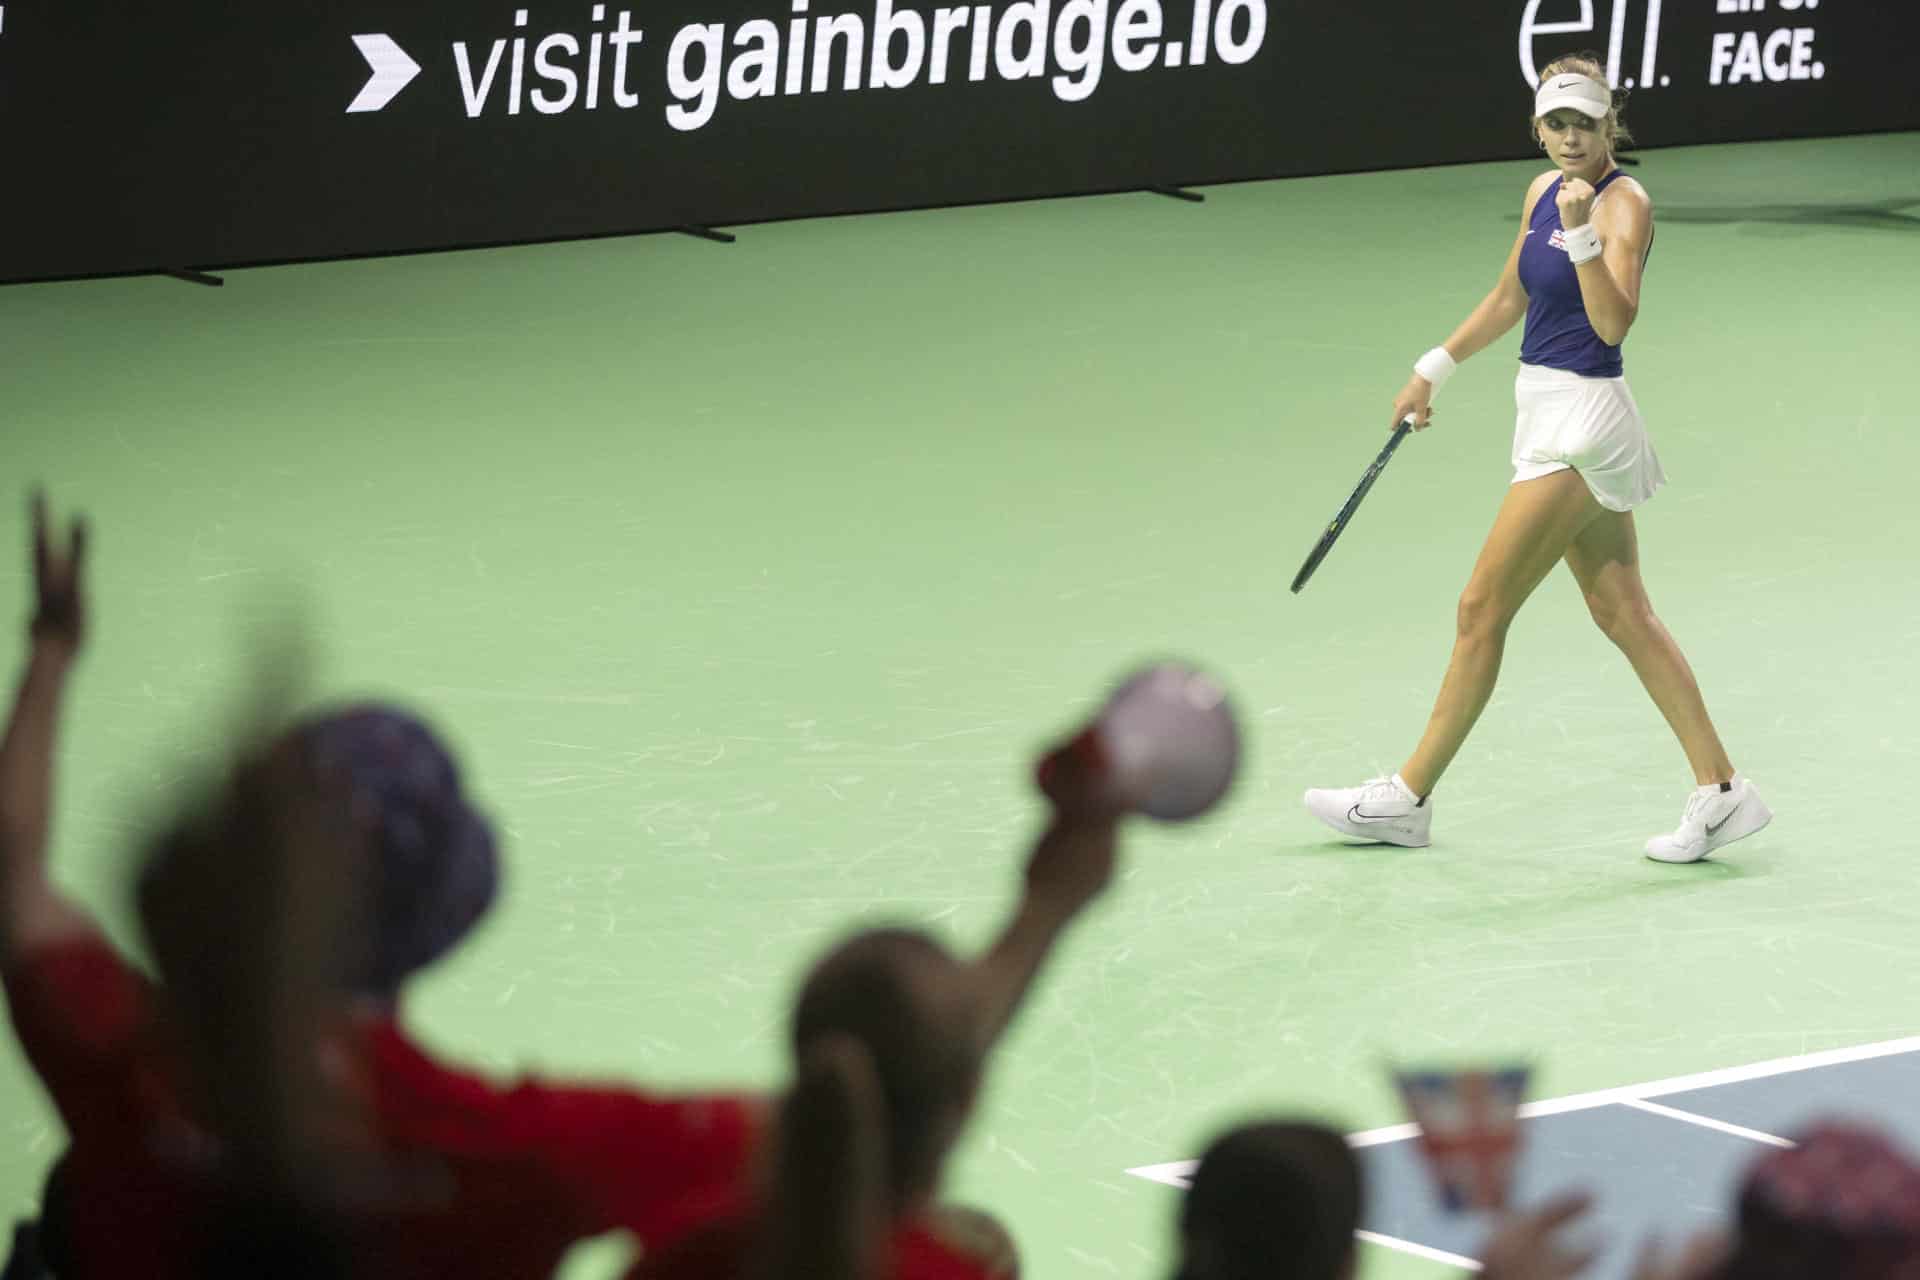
[1533, 1245]
[1074, 777]
[32, 911]
[1576, 202]
[59, 615]
[1073, 862]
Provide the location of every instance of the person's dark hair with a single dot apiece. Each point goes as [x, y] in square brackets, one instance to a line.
[897, 993]
[1588, 62]
[1272, 1199]
[827, 1219]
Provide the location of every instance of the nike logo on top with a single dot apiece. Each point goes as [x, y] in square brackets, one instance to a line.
[1566, 84]
[1354, 815]
[1713, 828]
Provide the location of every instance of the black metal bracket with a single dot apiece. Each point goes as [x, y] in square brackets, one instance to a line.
[707, 233]
[1179, 193]
[195, 277]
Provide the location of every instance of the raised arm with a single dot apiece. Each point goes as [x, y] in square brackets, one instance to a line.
[32, 912]
[1071, 864]
[1496, 313]
[1610, 283]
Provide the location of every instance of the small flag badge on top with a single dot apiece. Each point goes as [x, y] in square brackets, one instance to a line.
[1469, 1131]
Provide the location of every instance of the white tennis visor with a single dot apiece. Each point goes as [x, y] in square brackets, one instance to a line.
[1574, 93]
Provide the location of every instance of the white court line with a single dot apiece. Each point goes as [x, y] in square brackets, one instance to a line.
[1708, 1122]
[1725, 1075]
[1418, 1250]
[1175, 1173]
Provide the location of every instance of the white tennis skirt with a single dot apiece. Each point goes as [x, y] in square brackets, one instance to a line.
[1592, 425]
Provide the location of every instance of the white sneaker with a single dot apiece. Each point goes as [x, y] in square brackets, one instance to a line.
[1380, 809]
[1713, 817]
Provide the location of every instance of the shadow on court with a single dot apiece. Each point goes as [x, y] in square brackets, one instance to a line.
[1337, 848]
[1881, 215]
[1661, 878]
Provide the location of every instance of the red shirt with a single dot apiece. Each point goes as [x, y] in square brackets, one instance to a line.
[939, 1246]
[520, 1173]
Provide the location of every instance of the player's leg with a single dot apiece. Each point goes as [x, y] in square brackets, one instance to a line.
[1605, 560]
[1537, 522]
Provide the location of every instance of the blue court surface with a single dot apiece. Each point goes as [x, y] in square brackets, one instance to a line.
[1665, 1157]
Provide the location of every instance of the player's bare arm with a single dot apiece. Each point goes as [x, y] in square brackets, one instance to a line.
[1485, 325]
[1610, 284]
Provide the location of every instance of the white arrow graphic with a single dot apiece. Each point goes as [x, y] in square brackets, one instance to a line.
[393, 71]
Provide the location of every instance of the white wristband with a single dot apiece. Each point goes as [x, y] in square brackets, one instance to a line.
[1583, 243]
[1436, 366]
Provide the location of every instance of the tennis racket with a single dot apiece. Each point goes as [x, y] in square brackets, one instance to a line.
[1334, 530]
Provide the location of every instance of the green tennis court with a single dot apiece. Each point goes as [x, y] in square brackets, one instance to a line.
[749, 578]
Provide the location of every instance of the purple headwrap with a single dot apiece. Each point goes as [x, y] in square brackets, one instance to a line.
[435, 868]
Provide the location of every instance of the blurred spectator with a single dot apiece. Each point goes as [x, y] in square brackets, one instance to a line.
[925, 1021]
[1282, 1201]
[1844, 1204]
[251, 909]
[1271, 1200]
[496, 1181]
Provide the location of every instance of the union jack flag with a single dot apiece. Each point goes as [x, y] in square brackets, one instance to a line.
[1469, 1131]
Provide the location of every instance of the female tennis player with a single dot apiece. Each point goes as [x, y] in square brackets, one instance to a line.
[1581, 463]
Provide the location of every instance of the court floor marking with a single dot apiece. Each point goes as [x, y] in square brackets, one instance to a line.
[1708, 1122]
[1426, 1251]
[1174, 1173]
[1638, 1096]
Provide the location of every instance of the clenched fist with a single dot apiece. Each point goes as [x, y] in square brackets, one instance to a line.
[1576, 202]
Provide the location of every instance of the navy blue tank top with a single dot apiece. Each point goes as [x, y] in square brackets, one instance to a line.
[1558, 334]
